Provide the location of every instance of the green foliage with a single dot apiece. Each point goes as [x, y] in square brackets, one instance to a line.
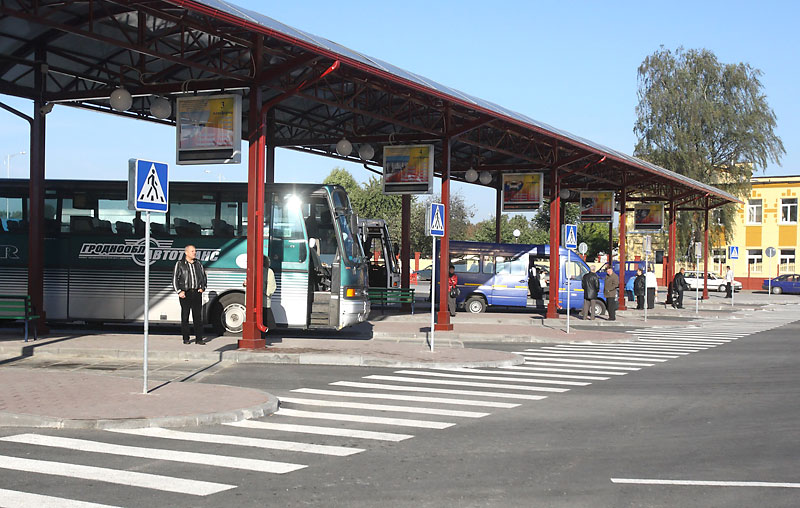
[485, 231]
[460, 221]
[707, 120]
[572, 215]
[595, 235]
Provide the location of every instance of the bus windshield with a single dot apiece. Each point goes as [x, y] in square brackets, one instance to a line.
[346, 220]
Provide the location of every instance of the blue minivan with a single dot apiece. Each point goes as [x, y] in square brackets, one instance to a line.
[497, 274]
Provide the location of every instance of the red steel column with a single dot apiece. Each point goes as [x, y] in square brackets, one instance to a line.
[251, 335]
[669, 268]
[623, 204]
[36, 198]
[705, 251]
[498, 206]
[443, 317]
[555, 245]
[405, 244]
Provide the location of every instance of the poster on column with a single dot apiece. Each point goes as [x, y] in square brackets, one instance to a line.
[648, 217]
[522, 192]
[597, 206]
[408, 169]
[209, 129]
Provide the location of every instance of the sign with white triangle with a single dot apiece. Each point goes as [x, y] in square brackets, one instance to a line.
[435, 220]
[148, 185]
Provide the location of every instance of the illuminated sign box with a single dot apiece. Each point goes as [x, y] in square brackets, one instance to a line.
[408, 169]
[209, 129]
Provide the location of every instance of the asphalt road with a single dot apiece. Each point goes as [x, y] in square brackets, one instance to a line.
[727, 413]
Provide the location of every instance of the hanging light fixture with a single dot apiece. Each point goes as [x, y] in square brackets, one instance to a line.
[121, 99]
[471, 175]
[486, 178]
[365, 151]
[344, 147]
[564, 193]
[160, 108]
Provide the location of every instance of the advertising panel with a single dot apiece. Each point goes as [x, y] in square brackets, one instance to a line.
[648, 217]
[597, 206]
[522, 192]
[408, 169]
[209, 129]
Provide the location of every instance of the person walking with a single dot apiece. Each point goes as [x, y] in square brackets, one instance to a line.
[269, 287]
[452, 291]
[639, 287]
[679, 285]
[651, 284]
[535, 286]
[728, 282]
[591, 287]
[189, 281]
[610, 291]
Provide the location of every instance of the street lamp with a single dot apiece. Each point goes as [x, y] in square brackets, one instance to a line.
[8, 173]
[516, 234]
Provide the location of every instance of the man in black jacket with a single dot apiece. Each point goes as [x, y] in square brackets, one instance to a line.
[639, 286]
[679, 285]
[591, 287]
[189, 281]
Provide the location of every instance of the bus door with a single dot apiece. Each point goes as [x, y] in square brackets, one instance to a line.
[289, 260]
[510, 284]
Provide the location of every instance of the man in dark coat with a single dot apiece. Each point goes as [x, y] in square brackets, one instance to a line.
[610, 291]
[591, 287]
[679, 285]
[639, 286]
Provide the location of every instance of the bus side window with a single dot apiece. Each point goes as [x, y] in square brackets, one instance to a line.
[511, 266]
[488, 264]
[287, 240]
[465, 263]
[574, 270]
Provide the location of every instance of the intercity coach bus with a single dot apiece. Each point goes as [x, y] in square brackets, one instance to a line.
[94, 252]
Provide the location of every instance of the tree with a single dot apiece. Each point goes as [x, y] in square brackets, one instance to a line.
[485, 231]
[369, 201]
[707, 120]
[460, 221]
[572, 215]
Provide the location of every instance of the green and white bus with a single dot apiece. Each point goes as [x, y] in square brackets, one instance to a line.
[94, 252]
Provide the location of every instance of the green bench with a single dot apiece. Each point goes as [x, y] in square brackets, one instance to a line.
[386, 296]
[19, 307]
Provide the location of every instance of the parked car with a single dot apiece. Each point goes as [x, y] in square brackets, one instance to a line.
[424, 274]
[786, 283]
[715, 283]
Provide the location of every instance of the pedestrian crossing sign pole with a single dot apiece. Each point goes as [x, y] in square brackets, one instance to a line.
[434, 227]
[570, 242]
[733, 255]
[148, 191]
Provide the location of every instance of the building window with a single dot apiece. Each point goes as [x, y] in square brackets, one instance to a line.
[788, 210]
[754, 211]
[718, 259]
[754, 260]
[787, 260]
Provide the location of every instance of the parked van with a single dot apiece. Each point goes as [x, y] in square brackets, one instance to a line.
[498, 274]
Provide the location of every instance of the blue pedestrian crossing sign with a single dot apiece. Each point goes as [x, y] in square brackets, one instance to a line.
[570, 236]
[733, 252]
[435, 220]
[148, 186]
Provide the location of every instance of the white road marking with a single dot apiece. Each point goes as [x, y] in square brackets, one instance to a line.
[271, 444]
[115, 476]
[569, 358]
[635, 347]
[405, 388]
[549, 367]
[402, 422]
[602, 356]
[650, 481]
[264, 466]
[539, 374]
[491, 378]
[410, 398]
[644, 353]
[687, 340]
[385, 407]
[467, 383]
[321, 431]
[16, 499]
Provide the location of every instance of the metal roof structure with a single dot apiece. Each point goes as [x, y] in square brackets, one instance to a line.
[172, 47]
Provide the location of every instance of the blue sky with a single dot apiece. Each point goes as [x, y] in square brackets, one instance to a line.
[570, 64]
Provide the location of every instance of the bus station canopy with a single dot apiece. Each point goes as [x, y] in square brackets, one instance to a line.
[77, 53]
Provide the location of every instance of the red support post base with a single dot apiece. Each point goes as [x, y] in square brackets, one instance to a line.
[443, 324]
[251, 343]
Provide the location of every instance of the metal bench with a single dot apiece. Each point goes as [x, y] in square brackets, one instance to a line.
[386, 296]
[16, 308]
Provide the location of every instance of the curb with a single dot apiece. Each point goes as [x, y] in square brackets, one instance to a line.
[50, 422]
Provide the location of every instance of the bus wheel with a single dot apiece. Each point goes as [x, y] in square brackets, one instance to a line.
[228, 319]
[475, 305]
[599, 308]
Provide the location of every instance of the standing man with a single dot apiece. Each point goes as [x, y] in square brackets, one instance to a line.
[639, 286]
[591, 287]
[189, 281]
[679, 285]
[728, 282]
[651, 283]
[610, 291]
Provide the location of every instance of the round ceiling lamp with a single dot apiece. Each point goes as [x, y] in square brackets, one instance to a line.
[121, 99]
[344, 147]
[486, 178]
[471, 175]
[366, 152]
[160, 108]
[564, 193]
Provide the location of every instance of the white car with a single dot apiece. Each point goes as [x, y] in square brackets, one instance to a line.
[715, 283]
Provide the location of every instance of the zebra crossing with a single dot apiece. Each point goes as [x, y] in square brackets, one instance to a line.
[346, 418]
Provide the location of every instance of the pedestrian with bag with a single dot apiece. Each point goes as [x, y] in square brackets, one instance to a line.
[610, 291]
[728, 282]
[452, 291]
[639, 288]
[189, 282]
[679, 285]
[651, 284]
[590, 283]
